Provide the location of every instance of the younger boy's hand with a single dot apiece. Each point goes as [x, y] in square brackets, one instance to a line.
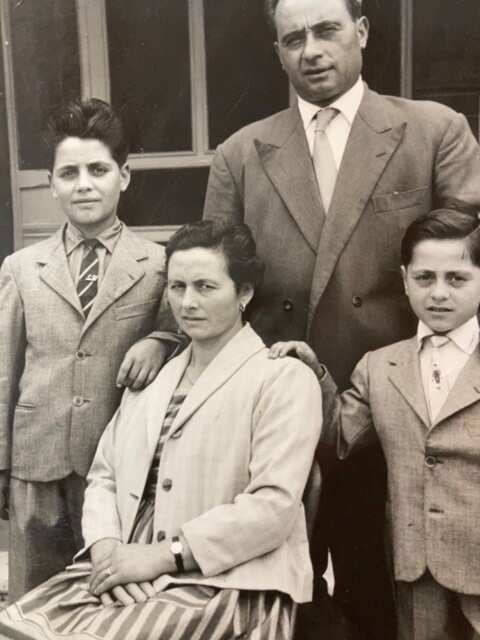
[141, 363]
[302, 350]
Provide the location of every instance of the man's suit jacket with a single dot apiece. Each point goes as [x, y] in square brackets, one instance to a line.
[58, 370]
[336, 280]
[237, 457]
[433, 471]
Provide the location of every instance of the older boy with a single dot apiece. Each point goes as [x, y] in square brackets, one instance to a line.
[421, 399]
[72, 307]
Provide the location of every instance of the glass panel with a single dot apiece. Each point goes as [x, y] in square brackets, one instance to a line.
[382, 57]
[46, 68]
[244, 78]
[164, 197]
[148, 45]
[446, 45]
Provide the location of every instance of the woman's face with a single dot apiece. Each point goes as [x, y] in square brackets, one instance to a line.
[203, 296]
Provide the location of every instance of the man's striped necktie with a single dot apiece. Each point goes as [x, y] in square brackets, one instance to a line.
[87, 285]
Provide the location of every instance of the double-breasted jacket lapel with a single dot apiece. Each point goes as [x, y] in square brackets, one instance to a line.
[373, 139]
[405, 375]
[124, 271]
[286, 160]
[55, 272]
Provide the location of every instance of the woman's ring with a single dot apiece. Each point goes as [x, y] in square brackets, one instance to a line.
[109, 572]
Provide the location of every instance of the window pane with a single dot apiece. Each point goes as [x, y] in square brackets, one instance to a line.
[148, 44]
[6, 213]
[244, 78]
[46, 69]
[164, 197]
[446, 45]
[382, 56]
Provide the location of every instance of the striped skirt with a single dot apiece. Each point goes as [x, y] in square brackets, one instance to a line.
[63, 608]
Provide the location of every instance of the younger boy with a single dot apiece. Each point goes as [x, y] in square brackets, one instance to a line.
[72, 308]
[421, 399]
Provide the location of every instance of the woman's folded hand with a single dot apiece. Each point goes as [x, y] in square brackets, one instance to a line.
[130, 563]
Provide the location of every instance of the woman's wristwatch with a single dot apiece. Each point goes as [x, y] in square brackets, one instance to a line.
[176, 549]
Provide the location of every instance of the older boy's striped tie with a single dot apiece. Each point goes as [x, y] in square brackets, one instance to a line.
[87, 285]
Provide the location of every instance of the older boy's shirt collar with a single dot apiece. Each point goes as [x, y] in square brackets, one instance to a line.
[465, 337]
[108, 238]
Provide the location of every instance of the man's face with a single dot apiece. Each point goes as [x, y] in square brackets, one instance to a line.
[320, 47]
[442, 284]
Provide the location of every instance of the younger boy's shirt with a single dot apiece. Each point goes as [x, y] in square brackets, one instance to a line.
[75, 248]
[439, 377]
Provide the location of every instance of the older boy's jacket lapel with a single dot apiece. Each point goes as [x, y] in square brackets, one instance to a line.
[240, 349]
[404, 374]
[55, 271]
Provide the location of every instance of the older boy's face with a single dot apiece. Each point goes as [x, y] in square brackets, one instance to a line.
[442, 284]
[87, 182]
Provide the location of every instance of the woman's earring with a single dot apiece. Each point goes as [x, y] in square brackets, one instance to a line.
[242, 307]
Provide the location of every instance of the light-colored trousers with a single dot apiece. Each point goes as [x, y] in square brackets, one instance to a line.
[428, 611]
[45, 530]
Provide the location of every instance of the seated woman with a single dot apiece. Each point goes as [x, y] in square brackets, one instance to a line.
[193, 514]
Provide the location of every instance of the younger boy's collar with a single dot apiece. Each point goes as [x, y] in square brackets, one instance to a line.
[465, 337]
[108, 238]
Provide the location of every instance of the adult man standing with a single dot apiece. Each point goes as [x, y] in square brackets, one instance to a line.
[328, 197]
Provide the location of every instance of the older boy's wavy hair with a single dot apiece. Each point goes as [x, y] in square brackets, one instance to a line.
[87, 119]
[457, 221]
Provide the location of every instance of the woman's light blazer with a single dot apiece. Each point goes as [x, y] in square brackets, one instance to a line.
[232, 472]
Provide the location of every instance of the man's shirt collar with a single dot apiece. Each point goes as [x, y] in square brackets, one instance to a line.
[465, 337]
[348, 104]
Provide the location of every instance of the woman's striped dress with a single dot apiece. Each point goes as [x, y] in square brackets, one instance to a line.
[64, 608]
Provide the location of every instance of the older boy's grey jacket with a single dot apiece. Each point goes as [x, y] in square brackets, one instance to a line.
[433, 471]
[58, 371]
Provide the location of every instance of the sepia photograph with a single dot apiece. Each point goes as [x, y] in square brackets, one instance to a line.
[239, 332]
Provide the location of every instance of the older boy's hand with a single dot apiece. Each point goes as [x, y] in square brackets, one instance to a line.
[141, 363]
[302, 350]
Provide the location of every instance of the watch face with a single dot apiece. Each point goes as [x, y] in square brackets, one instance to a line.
[176, 547]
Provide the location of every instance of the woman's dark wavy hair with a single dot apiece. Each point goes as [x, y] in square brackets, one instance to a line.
[444, 224]
[234, 240]
[354, 8]
[87, 119]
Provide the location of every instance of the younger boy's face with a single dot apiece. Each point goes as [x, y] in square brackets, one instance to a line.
[87, 182]
[442, 284]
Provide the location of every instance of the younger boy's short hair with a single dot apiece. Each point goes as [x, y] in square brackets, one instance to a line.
[87, 119]
[444, 224]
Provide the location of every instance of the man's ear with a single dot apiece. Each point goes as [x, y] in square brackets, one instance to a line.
[53, 191]
[404, 276]
[124, 177]
[363, 28]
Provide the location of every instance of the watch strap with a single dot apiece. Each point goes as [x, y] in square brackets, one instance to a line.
[176, 549]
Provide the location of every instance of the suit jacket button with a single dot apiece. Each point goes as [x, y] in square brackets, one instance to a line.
[167, 484]
[161, 535]
[430, 461]
[77, 401]
[357, 301]
[288, 305]
[80, 355]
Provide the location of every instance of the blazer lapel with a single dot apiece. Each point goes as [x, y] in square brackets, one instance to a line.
[465, 391]
[405, 375]
[240, 349]
[55, 271]
[287, 162]
[372, 141]
[124, 271]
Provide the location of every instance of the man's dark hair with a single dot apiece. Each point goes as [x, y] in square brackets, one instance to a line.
[354, 8]
[234, 240]
[444, 224]
[87, 119]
